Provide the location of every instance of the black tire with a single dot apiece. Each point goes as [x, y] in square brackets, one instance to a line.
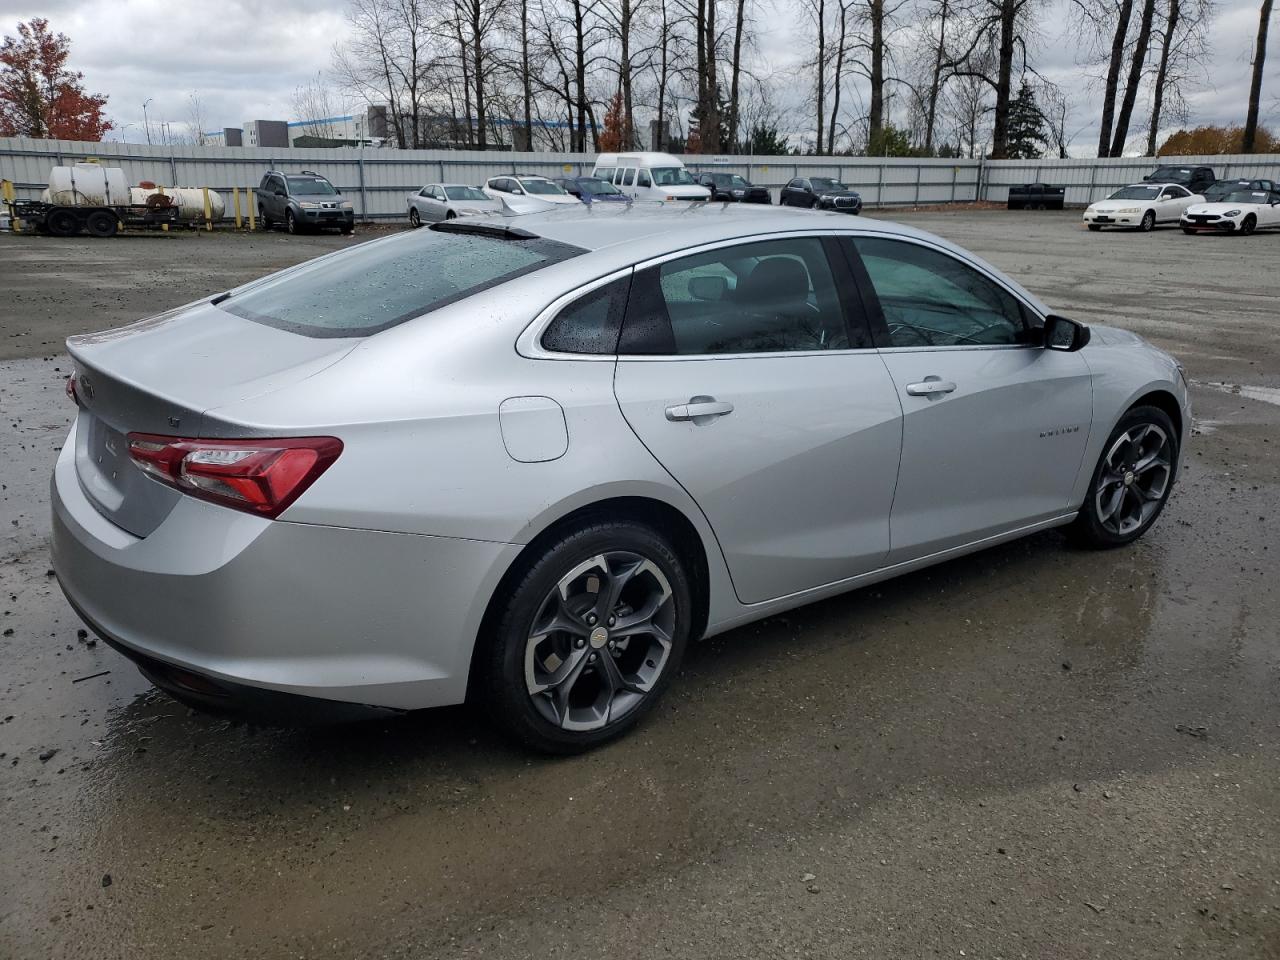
[450, 215]
[1248, 225]
[62, 223]
[1189, 232]
[1148, 222]
[291, 224]
[500, 662]
[348, 229]
[1090, 528]
[266, 221]
[1095, 227]
[415, 218]
[102, 223]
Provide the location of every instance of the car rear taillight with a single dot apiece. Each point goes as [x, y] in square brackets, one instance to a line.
[71, 390]
[257, 476]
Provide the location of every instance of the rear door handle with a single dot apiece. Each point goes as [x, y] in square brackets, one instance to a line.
[930, 386]
[699, 410]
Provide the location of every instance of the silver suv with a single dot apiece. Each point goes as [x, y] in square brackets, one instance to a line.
[303, 201]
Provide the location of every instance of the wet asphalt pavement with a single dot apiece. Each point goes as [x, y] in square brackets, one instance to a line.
[1031, 752]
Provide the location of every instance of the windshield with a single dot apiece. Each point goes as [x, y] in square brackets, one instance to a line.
[541, 186]
[1220, 189]
[1246, 196]
[464, 193]
[1171, 174]
[671, 176]
[311, 186]
[597, 188]
[1135, 193]
[823, 183]
[377, 285]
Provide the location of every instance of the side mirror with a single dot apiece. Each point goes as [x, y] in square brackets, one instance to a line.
[1063, 334]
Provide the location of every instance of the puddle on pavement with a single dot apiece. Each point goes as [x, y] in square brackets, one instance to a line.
[1265, 394]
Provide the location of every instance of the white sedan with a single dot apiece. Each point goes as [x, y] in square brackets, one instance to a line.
[445, 201]
[528, 194]
[1141, 205]
[1242, 211]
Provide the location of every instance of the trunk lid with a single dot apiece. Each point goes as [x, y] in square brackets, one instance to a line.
[160, 376]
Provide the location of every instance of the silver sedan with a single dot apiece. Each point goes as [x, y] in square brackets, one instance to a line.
[535, 472]
[447, 201]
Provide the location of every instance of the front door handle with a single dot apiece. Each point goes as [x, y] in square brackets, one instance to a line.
[930, 386]
[699, 409]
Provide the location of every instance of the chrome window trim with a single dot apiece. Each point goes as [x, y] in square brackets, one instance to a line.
[529, 342]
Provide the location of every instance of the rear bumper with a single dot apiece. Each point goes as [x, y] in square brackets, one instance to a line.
[355, 616]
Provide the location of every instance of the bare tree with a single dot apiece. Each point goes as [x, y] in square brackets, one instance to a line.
[1255, 85]
[1137, 64]
[195, 119]
[314, 103]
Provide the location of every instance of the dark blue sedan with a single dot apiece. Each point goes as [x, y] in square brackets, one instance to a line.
[591, 189]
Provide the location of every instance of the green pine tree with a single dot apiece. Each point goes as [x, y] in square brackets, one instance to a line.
[1027, 138]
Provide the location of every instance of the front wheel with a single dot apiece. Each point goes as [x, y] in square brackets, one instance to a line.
[291, 222]
[1249, 225]
[1095, 227]
[1188, 231]
[1132, 481]
[1148, 222]
[587, 637]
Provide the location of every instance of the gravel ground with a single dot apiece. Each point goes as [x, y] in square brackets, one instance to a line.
[1030, 752]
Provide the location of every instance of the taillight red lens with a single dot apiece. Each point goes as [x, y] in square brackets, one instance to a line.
[258, 476]
[71, 389]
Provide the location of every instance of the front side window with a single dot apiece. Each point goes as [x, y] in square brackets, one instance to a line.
[642, 179]
[932, 299]
[763, 297]
[378, 285]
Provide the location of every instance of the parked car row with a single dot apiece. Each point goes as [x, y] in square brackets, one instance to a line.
[1219, 206]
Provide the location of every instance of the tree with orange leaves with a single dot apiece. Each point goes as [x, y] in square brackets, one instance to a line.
[614, 137]
[39, 96]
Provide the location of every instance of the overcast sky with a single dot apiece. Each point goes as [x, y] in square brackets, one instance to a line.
[245, 58]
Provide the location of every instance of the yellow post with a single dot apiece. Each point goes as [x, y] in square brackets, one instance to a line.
[208, 210]
[235, 196]
[248, 202]
[6, 193]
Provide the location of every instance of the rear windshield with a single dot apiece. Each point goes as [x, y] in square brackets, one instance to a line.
[377, 285]
[465, 193]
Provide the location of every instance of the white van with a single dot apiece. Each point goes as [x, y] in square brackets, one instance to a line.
[649, 176]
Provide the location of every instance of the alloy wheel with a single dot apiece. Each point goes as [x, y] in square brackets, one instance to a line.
[600, 641]
[1148, 221]
[1134, 478]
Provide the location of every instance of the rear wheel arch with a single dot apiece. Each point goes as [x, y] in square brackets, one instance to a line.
[660, 517]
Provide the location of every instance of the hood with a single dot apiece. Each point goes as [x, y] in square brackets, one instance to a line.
[686, 191]
[839, 193]
[1111, 336]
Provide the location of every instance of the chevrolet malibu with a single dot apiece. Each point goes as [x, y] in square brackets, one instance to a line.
[528, 460]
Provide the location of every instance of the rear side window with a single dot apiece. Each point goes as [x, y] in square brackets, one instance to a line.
[377, 285]
[591, 323]
[765, 297]
[630, 177]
